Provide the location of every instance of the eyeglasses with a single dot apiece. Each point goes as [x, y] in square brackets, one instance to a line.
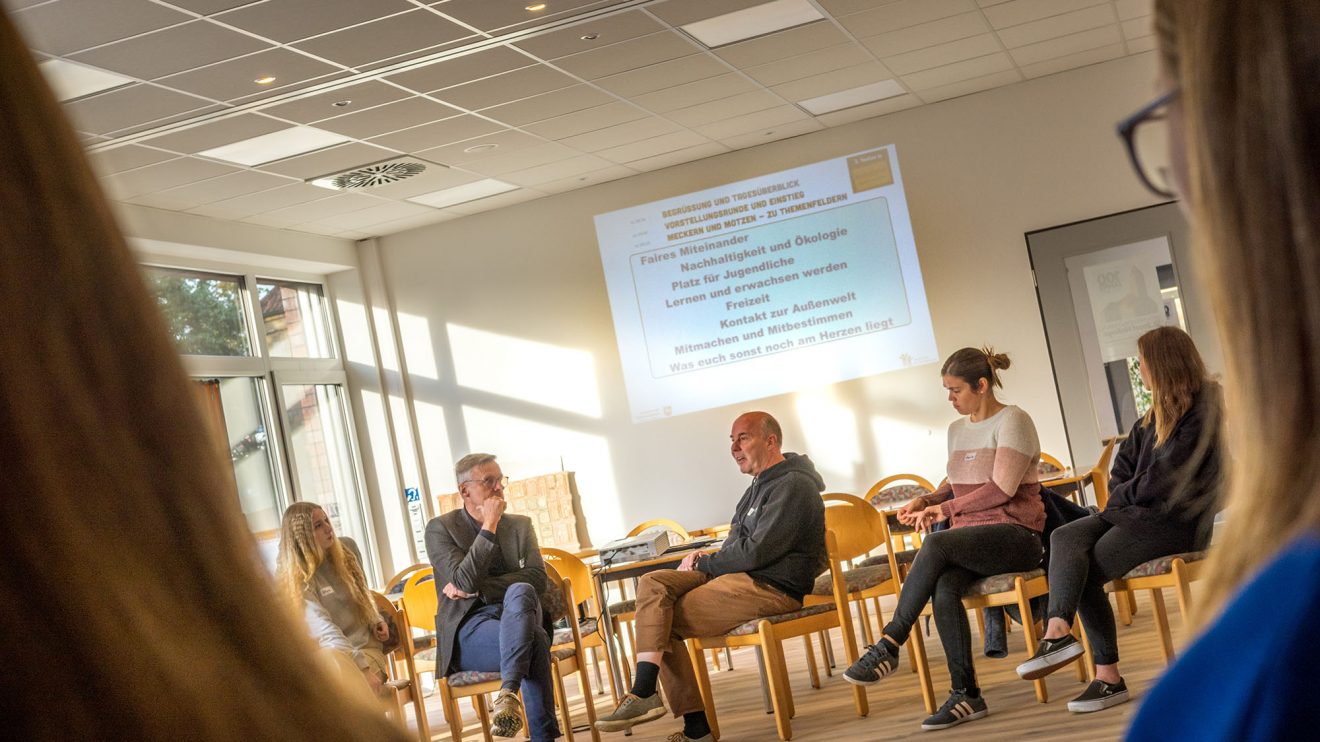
[1146, 134]
[489, 483]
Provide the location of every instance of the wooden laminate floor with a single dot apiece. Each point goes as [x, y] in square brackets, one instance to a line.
[896, 712]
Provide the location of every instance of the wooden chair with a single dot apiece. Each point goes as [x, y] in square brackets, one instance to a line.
[1176, 571]
[421, 603]
[897, 490]
[402, 687]
[1097, 476]
[566, 653]
[718, 531]
[394, 587]
[587, 608]
[859, 530]
[770, 632]
[1049, 465]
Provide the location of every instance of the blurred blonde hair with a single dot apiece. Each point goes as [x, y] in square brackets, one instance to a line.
[1251, 109]
[133, 603]
[300, 556]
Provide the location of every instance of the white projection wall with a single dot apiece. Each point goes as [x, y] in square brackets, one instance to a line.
[782, 282]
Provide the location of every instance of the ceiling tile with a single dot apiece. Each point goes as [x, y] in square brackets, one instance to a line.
[958, 71]
[832, 82]
[769, 48]
[1128, 9]
[1022, 11]
[778, 132]
[217, 133]
[925, 35]
[404, 34]
[394, 116]
[1072, 61]
[235, 78]
[163, 175]
[806, 65]
[489, 16]
[678, 157]
[1071, 44]
[604, 175]
[314, 210]
[944, 54]
[620, 134]
[538, 154]
[663, 75]
[967, 87]
[207, 7]
[757, 121]
[437, 133]
[321, 106]
[683, 12]
[504, 88]
[290, 20]
[454, 154]
[869, 110]
[72, 25]
[705, 113]
[165, 121]
[372, 215]
[846, 7]
[548, 105]
[1057, 25]
[211, 190]
[255, 203]
[433, 216]
[627, 55]
[130, 106]
[1138, 27]
[654, 146]
[119, 159]
[902, 14]
[1143, 44]
[701, 91]
[495, 202]
[462, 69]
[560, 170]
[172, 50]
[581, 122]
[608, 30]
[327, 161]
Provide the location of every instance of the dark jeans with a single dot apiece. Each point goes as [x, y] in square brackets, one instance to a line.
[509, 638]
[948, 562]
[1087, 553]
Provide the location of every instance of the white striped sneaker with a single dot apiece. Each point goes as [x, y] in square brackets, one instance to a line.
[959, 708]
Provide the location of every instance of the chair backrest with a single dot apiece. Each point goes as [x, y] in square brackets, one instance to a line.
[1049, 464]
[858, 528]
[897, 489]
[1100, 474]
[660, 523]
[421, 599]
[395, 584]
[717, 531]
[578, 575]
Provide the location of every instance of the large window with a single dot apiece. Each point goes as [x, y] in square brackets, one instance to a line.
[205, 312]
[296, 320]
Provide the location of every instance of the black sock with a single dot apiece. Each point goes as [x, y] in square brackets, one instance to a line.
[695, 725]
[644, 683]
[511, 686]
[891, 646]
[973, 692]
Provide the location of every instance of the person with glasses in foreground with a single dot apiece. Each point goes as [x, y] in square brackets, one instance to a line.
[1244, 154]
[489, 576]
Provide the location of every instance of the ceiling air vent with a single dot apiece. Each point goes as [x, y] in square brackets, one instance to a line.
[370, 176]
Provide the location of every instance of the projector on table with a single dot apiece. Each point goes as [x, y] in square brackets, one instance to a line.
[637, 548]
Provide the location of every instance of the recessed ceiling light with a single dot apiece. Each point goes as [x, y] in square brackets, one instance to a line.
[464, 193]
[852, 97]
[277, 145]
[341, 103]
[474, 149]
[71, 80]
[757, 20]
[590, 37]
[536, 6]
[265, 80]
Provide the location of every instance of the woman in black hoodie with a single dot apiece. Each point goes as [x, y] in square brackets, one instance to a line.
[1162, 491]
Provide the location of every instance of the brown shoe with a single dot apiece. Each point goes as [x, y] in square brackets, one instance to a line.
[632, 710]
[507, 720]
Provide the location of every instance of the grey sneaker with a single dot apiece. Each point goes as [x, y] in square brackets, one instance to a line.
[1051, 654]
[632, 710]
[958, 709]
[1099, 696]
[507, 720]
[876, 663]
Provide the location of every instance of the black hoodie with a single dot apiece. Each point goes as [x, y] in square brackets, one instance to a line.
[777, 534]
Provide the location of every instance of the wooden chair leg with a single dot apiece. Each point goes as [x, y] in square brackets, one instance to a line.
[715, 659]
[1162, 624]
[614, 689]
[1086, 666]
[703, 686]
[1132, 601]
[780, 694]
[1124, 610]
[483, 715]
[864, 617]
[1029, 634]
[561, 700]
[1183, 588]
[453, 714]
[917, 653]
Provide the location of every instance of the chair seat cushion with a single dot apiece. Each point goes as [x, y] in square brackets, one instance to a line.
[623, 606]
[471, 677]
[1162, 565]
[429, 654]
[562, 653]
[902, 557]
[565, 635]
[1000, 583]
[898, 494]
[750, 627]
[855, 580]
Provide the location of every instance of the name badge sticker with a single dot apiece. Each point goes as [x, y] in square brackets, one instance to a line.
[970, 457]
[327, 590]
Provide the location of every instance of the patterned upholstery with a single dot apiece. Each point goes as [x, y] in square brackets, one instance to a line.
[855, 580]
[1000, 583]
[565, 635]
[750, 627]
[623, 606]
[552, 602]
[897, 494]
[426, 655]
[902, 557]
[1046, 467]
[563, 653]
[471, 677]
[1163, 565]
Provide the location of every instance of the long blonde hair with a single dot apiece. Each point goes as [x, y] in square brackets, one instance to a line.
[1251, 110]
[133, 603]
[1177, 375]
[300, 556]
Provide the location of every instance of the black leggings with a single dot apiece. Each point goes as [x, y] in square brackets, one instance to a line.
[1089, 552]
[948, 562]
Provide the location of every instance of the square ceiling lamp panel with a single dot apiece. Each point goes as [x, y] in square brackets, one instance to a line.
[852, 97]
[464, 193]
[749, 23]
[276, 145]
[71, 80]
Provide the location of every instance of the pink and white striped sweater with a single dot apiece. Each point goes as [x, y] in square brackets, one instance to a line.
[992, 472]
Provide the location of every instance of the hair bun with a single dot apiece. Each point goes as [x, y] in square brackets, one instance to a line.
[997, 361]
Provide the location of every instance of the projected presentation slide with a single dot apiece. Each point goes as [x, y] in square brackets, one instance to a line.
[770, 285]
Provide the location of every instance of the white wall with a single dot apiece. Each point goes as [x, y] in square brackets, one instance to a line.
[980, 171]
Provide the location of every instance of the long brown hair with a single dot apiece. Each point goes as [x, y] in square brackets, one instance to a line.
[133, 603]
[300, 556]
[1251, 111]
[1177, 375]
